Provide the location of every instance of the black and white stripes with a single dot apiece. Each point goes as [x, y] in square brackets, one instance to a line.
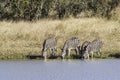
[50, 44]
[92, 47]
[87, 49]
[73, 43]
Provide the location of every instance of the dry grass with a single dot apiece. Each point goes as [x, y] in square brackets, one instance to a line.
[115, 14]
[26, 38]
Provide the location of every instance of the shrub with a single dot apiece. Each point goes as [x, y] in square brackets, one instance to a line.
[37, 9]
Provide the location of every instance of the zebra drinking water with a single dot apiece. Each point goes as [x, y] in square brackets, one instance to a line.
[72, 43]
[83, 48]
[92, 47]
[50, 44]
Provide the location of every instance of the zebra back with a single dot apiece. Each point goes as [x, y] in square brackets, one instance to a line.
[50, 43]
[71, 43]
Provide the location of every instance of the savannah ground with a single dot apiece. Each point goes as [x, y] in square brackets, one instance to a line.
[23, 40]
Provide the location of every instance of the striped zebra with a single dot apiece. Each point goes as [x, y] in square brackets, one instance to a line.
[83, 47]
[92, 47]
[49, 44]
[72, 43]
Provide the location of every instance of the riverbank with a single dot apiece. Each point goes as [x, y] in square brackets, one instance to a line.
[39, 57]
[20, 40]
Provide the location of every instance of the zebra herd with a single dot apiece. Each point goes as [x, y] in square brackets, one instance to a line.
[85, 51]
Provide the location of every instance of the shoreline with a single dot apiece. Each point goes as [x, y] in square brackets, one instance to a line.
[72, 57]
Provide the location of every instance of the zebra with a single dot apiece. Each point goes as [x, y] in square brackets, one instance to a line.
[92, 47]
[83, 48]
[72, 43]
[49, 44]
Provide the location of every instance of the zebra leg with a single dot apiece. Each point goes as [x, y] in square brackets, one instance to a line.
[53, 51]
[92, 54]
[98, 53]
[66, 51]
[69, 52]
[76, 50]
[44, 54]
[85, 55]
[63, 54]
[88, 56]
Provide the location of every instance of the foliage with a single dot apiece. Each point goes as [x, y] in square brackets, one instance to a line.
[37, 9]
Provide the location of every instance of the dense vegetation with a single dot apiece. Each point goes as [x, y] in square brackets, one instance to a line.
[37, 9]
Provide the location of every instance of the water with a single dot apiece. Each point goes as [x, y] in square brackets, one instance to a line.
[106, 69]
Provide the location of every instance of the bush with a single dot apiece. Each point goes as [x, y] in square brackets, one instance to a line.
[37, 9]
